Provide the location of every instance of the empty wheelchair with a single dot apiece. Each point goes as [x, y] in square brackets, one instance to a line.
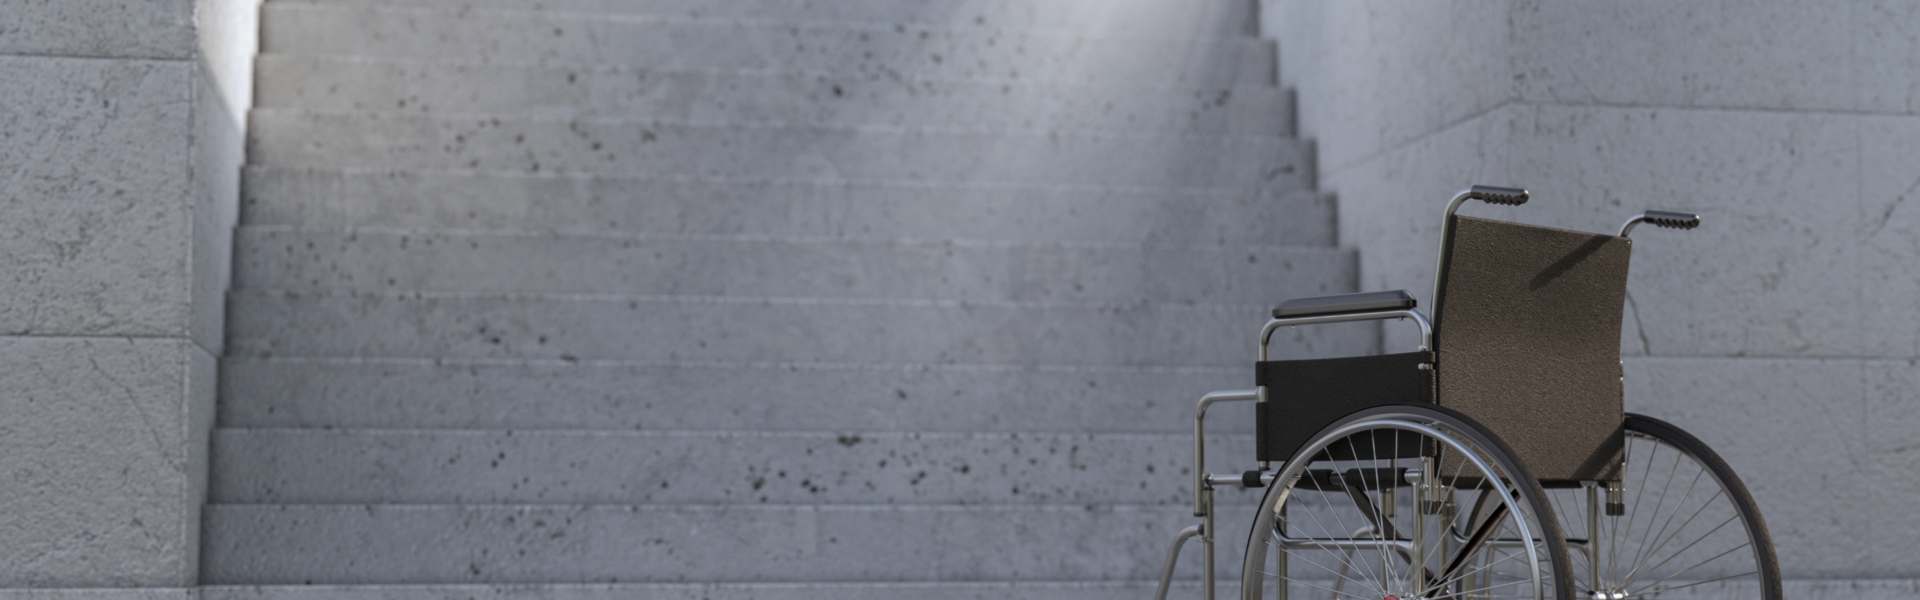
[1496, 461]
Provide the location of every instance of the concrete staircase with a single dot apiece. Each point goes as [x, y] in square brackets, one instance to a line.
[754, 299]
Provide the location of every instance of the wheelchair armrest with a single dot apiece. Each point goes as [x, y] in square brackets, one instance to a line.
[1344, 303]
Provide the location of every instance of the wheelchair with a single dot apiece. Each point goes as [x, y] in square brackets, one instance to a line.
[1496, 461]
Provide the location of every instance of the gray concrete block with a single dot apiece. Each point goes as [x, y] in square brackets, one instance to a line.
[144, 29]
[414, 466]
[104, 454]
[452, 87]
[597, 146]
[506, 262]
[324, 545]
[611, 205]
[1795, 57]
[96, 205]
[592, 395]
[1194, 18]
[873, 51]
[669, 328]
[1823, 444]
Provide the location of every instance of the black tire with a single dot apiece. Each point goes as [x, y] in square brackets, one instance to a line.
[1686, 520]
[1513, 551]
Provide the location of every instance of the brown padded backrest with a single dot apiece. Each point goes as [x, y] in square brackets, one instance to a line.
[1527, 341]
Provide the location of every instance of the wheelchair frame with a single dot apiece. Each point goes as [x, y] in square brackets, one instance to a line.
[1505, 481]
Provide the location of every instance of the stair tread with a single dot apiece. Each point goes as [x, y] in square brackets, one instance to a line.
[1192, 18]
[445, 392]
[386, 259]
[561, 326]
[629, 147]
[399, 466]
[328, 544]
[432, 86]
[762, 206]
[869, 50]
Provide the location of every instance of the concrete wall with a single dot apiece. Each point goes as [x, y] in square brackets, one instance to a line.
[118, 170]
[1782, 330]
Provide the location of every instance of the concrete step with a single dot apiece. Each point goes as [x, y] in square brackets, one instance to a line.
[414, 466]
[508, 262]
[888, 51]
[428, 87]
[264, 323]
[437, 544]
[973, 210]
[444, 393]
[1152, 18]
[1033, 590]
[1026, 590]
[598, 146]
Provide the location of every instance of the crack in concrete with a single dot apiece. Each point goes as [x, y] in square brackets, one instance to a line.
[1638, 327]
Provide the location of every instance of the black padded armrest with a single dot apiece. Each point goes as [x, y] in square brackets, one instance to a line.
[1344, 303]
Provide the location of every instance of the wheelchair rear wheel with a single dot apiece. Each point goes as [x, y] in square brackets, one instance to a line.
[1682, 519]
[1403, 503]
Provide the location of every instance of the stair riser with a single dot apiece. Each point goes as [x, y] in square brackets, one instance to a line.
[379, 260]
[293, 466]
[874, 52]
[447, 394]
[1037, 213]
[289, 138]
[1149, 18]
[1077, 590]
[428, 88]
[655, 328]
[606, 544]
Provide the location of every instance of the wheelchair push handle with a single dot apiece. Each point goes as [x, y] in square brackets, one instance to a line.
[1662, 218]
[1498, 195]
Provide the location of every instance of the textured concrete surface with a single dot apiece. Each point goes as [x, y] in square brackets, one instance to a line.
[422, 324]
[96, 196]
[790, 98]
[105, 460]
[690, 291]
[817, 267]
[873, 51]
[835, 208]
[627, 147]
[1132, 18]
[147, 29]
[1849, 424]
[652, 543]
[119, 163]
[308, 466]
[444, 393]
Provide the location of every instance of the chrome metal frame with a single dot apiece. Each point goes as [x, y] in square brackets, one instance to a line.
[1446, 241]
[1204, 482]
[1405, 423]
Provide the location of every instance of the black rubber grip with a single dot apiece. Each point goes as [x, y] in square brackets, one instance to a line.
[1251, 479]
[1498, 195]
[1673, 220]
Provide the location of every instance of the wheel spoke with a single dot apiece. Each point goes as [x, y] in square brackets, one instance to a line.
[1684, 571]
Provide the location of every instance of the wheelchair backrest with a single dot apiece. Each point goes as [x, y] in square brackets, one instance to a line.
[1527, 341]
